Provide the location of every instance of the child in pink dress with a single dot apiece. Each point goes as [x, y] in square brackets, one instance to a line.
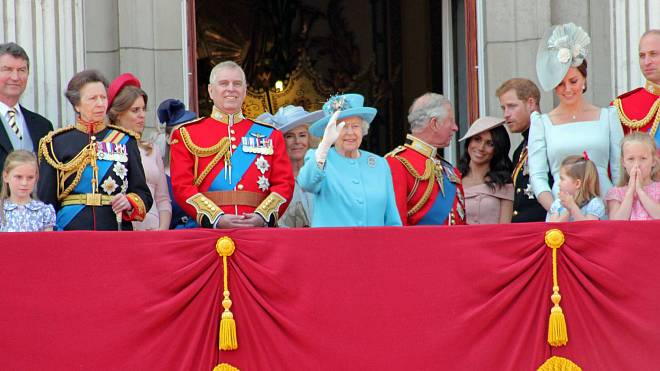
[638, 194]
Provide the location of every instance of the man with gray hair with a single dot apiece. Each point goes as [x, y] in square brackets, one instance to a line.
[229, 171]
[427, 188]
[21, 129]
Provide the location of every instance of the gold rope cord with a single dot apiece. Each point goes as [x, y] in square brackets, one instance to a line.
[220, 150]
[76, 165]
[653, 114]
[429, 174]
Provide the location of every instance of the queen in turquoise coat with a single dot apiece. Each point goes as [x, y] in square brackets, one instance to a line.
[351, 187]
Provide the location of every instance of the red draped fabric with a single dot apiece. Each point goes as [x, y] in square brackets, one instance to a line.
[418, 298]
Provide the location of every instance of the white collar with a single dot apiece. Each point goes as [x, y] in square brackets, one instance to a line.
[4, 108]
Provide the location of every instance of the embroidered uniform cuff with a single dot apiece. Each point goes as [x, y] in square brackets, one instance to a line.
[208, 212]
[268, 209]
[139, 209]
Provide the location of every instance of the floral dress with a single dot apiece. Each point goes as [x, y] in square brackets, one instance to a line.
[35, 216]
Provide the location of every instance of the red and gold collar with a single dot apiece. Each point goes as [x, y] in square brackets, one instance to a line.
[90, 127]
[226, 118]
[652, 87]
[420, 146]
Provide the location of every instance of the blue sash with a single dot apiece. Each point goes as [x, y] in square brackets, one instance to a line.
[67, 213]
[442, 206]
[240, 162]
[657, 136]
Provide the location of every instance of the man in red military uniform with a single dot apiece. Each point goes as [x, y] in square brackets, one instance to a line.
[229, 171]
[639, 109]
[428, 189]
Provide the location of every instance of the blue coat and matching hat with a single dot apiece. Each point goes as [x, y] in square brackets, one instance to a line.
[349, 192]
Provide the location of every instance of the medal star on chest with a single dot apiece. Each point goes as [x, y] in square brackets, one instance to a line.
[263, 183]
[109, 185]
[262, 164]
[529, 192]
[120, 170]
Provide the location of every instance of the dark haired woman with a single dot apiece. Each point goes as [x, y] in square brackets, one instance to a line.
[127, 106]
[575, 125]
[91, 171]
[486, 172]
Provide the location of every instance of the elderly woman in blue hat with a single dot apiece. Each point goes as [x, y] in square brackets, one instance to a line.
[293, 122]
[172, 113]
[575, 126]
[351, 187]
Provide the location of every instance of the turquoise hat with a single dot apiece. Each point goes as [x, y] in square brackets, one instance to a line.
[289, 117]
[349, 104]
[562, 47]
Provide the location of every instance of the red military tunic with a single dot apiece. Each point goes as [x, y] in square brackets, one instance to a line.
[230, 164]
[428, 189]
[639, 109]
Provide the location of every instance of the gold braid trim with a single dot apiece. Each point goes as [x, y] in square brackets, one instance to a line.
[653, 114]
[220, 150]
[136, 135]
[429, 174]
[76, 165]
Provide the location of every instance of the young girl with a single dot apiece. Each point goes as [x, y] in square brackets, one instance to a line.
[638, 194]
[578, 192]
[19, 211]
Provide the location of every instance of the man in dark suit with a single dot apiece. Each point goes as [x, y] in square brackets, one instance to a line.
[21, 129]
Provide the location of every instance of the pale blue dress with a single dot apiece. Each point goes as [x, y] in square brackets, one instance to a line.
[549, 144]
[595, 207]
[350, 192]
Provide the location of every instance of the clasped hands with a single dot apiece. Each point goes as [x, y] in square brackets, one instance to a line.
[245, 220]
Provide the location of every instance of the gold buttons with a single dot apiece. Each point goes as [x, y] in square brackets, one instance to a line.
[232, 131]
[515, 212]
[240, 186]
[518, 190]
[233, 139]
[233, 146]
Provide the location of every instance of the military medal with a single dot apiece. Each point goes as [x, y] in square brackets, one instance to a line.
[263, 183]
[120, 170]
[529, 192]
[109, 185]
[262, 164]
[257, 143]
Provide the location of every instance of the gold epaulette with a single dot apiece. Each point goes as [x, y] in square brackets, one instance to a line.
[130, 132]
[395, 151]
[186, 123]
[45, 141]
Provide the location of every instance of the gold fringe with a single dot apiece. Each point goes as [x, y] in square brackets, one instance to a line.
[225, 367]
[559, 364]
[227, 337]
[557, 331]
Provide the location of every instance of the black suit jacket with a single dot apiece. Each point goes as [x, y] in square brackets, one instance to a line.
[38, 126]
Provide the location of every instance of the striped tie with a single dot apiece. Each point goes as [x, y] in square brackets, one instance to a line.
[13, 124]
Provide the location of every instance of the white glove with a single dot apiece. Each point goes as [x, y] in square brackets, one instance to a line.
[330, 136]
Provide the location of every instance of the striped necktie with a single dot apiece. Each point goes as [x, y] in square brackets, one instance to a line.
[13, 124]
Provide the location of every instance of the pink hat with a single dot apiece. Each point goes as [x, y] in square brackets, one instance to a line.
[123, 80]
[482, 124]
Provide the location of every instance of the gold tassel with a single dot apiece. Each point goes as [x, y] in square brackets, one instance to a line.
[559, 364]
[225, 367]
[227, 337]
[557, 331]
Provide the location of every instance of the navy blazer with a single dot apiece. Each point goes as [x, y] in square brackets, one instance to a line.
[37, 125]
